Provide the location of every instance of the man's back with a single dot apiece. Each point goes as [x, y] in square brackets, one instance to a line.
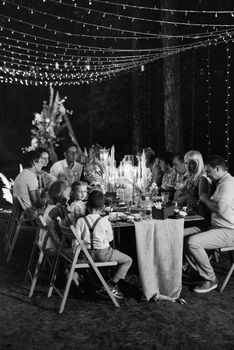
[224, 196]
[25, 182]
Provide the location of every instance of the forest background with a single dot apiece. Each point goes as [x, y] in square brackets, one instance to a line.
[176, 103]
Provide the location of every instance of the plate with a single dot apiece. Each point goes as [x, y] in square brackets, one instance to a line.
[117, 215]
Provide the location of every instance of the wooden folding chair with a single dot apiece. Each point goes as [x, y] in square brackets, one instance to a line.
[19, 215]
[69, 233]
[40, 251]
[230, 271]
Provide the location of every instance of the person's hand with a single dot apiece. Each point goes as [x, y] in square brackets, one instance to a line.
[179, 185]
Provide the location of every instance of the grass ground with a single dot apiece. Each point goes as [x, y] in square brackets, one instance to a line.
[92, 322]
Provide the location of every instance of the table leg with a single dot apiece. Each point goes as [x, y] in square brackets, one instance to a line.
[116, 240]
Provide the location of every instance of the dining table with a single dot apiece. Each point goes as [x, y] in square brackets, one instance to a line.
[118, 225]
[159, 252]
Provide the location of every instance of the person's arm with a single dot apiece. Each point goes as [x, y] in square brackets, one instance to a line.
[54, 170]
[220, 205]
[80, 228]
[55, 213]
[36, 199]
[203, 187]
[214, 206]
[109, 231]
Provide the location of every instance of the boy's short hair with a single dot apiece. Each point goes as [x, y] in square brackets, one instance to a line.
[96, 200]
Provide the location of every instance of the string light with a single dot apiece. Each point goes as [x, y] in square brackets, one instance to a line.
[155, 8]
[227, 109]
[33, 72]
[97, 65]
[145, 36]
[113, 48]
[208, 102]
[54, 79]
[193, 97]
[226, 36]
[44, 55]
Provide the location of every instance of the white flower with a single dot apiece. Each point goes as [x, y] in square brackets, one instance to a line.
[38, 117]
[153, 186]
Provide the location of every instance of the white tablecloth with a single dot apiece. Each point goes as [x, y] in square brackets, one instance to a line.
[159, 246]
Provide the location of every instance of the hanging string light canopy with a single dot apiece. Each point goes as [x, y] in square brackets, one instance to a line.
[77, 42]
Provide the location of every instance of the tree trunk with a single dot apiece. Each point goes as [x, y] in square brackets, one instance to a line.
[137, 134]
[137, 128]
[171, 77]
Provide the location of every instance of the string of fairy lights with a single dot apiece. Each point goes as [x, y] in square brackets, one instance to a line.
[193, 98]
[35, 37]
[227, 107]
[105, 13]
[71, 42]
[208, 102]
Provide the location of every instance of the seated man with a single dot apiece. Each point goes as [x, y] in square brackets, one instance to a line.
[169, 173]
[68, 169]
[221, 233]
[179, 166]
[26, 183]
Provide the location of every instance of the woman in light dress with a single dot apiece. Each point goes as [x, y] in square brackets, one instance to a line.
[196, 184]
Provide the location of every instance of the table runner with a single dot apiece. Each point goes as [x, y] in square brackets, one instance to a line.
[159, 246]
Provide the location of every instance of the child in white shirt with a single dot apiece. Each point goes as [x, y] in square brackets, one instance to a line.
[96, 233]
[78, 205]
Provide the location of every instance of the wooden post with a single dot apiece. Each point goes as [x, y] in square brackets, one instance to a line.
[171, 72]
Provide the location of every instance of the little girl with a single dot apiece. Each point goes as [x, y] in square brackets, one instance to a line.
[59, 193]
[78, 197]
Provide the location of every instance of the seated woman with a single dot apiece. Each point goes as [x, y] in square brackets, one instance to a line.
[44, 178]
[196, 184]
[169, 174]
[153, 164]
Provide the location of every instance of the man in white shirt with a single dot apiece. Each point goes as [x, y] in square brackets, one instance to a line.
[68, 169]
[221, 234]
[26, 183]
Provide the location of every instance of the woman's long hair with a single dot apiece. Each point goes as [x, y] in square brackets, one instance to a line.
[197, 158]
[56, 191]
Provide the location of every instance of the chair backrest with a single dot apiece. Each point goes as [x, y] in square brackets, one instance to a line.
[45, 234]
[68, 235]
[16, 208]
[21, 203]
[71, 233]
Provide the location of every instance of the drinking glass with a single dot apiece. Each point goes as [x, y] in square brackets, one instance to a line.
[165, 197]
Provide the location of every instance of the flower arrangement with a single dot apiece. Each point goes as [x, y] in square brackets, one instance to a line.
[48, 124]
[7, 188]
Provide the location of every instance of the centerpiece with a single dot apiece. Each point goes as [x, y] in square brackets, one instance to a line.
[48, 124]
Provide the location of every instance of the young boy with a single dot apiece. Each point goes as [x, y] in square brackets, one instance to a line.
[78, 197]
[97, 241]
